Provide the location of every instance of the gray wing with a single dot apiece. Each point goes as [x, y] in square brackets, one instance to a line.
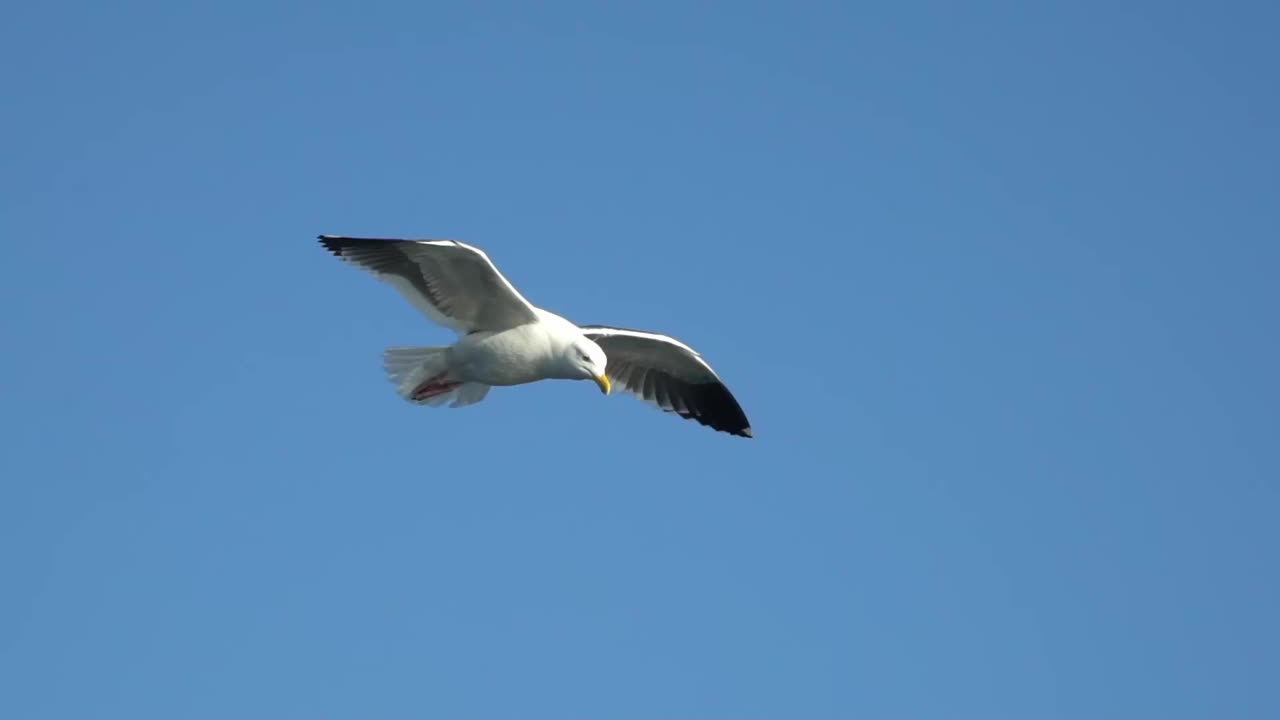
[670, 375]
[453, 284]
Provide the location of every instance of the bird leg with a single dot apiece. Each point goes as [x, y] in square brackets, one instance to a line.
[433, 386]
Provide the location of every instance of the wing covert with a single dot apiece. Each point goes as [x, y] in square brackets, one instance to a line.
[453, 284]
[669, 375]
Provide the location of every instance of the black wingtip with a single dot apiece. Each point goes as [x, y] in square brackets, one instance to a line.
[333, 243]
[717, 408]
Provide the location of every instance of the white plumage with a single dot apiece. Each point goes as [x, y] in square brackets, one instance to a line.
[505, 340]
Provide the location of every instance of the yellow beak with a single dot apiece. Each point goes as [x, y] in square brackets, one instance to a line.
[603, 382]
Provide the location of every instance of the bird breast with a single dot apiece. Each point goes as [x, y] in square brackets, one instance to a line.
[508, 357]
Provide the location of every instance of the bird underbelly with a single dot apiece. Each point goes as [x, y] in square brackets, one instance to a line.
[499, 375]
[507, 358]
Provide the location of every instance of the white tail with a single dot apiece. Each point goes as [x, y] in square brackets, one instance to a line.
[408, 367]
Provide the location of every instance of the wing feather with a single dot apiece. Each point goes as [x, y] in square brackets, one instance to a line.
[669, 375]
[453, 284]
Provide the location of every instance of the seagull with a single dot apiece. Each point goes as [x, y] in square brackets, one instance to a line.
[505, 340]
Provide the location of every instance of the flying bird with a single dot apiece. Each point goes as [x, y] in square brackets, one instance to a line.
[505, 340]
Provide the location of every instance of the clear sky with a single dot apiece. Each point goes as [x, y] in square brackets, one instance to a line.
[995, 284]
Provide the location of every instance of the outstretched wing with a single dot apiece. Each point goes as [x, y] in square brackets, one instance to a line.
[453, 284]
[670, 375]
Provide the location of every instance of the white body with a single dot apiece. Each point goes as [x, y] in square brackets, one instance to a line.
[505, 340]
[519, 355]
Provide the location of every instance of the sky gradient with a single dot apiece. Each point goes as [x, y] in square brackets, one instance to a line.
[995, 284]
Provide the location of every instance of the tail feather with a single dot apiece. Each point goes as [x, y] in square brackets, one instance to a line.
[408, 367]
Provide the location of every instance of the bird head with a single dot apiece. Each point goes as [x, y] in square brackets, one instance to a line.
[588, 362]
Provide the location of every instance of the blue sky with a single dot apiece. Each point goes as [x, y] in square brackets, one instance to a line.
[994, 283]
